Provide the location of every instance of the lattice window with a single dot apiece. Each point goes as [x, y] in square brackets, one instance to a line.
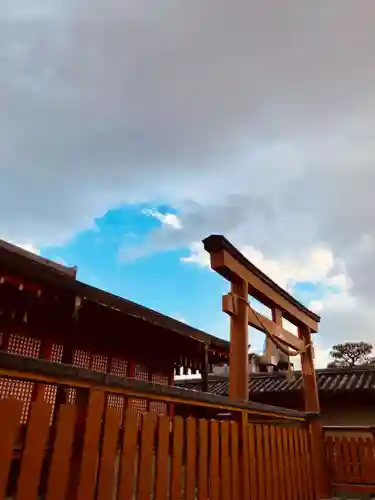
[19, 389]
[115, 401]
[99, 363]
[119, 367]
[157, 407]
[57, 353]
[140, 372]
[51, 390]
[82, 359]
[24, 346]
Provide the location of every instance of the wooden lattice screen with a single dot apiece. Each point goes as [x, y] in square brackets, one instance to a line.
[31, 347]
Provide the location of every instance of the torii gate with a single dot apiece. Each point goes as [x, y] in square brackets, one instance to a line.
[246, 279]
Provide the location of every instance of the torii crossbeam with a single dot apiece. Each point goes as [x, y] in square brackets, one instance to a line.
[246, 279]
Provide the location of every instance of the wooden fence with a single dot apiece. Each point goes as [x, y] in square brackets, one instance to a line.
[92, 448]
[351, 457]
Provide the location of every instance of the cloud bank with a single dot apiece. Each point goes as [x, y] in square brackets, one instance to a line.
[253, 119]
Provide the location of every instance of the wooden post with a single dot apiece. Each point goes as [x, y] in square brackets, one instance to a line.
[311, 396]
[238, 356]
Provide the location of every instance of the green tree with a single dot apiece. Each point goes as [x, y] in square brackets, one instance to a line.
[351, 354]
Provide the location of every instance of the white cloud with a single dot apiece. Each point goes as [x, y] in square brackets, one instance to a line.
[198, 255]
[167, 219]
[263, 134]
[315, 266]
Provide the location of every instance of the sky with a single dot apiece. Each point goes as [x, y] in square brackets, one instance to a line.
[130, 130]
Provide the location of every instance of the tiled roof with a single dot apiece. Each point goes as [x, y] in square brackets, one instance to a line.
[329, 380]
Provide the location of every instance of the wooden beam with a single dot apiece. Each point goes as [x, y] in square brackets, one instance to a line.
[226, 265]
[260, 322]
[264, 324]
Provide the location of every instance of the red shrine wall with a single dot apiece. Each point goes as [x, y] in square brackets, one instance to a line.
[19, 300]
[28, 391]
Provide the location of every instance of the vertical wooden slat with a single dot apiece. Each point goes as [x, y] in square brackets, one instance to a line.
[253, 467]
[298, 464]
[162, 457]
[260, 461]
[62, 450]
[267, 463]
[234, 480]
[281, 465]
[311, 490]
[301, 462]
[245, 459]
[331, 458]
[362, 459]
[214, 461]
[128, 454]
[87, 480]
[288, 472]
[109, 453]
[203, 460]
[191, 458]
[339, 459]
[10, 417]
[292, 464]
[178, 440]
[32, 459]
[354, 455]
[275, 483]
[225, 464]
[346, 457]
[370, 460]
[146, 457]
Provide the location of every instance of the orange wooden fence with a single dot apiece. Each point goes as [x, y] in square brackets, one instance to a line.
[351, 456]
[90, 449]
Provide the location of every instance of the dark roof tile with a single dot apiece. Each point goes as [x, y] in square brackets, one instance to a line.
[340, 380]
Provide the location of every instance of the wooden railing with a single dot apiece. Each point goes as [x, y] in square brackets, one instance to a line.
[351, 457]
[101, 446]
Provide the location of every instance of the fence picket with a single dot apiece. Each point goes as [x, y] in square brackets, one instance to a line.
[191, 458]
[10, 416]
[35, 448]
[214, 460]
[162, 459]
[109, 453]
[62, 450]
[203, 460]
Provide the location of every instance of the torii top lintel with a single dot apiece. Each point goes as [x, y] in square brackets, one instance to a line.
[234, 266]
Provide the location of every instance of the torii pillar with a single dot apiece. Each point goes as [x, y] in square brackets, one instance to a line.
[246, 279]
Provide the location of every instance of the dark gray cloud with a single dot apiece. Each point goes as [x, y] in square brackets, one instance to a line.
[253, 118]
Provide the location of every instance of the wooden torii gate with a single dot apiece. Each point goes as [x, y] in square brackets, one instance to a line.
[246, 279]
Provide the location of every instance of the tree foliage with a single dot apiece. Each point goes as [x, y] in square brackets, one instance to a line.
[351, 354]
